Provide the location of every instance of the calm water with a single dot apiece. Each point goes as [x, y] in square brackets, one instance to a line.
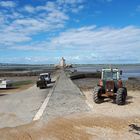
[128, 70]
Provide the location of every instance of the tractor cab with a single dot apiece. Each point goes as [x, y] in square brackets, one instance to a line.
[110, 80]
[110, 74]
[43, 80]
[45, 76]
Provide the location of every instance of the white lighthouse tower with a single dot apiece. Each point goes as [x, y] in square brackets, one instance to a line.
[62, 62]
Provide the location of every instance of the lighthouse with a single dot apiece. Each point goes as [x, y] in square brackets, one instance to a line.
[62, 62]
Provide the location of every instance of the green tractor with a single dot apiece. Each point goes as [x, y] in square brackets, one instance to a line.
[110, 85]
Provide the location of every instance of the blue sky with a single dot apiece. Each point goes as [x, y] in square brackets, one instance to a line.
[82, 31]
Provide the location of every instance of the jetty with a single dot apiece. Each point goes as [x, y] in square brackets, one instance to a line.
[66, 99]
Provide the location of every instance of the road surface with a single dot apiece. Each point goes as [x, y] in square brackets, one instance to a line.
[66, 99]
[20, 108]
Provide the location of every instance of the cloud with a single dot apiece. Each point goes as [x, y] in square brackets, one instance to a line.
[7, 4]
[73, 6]
[23, 31]
[77, 9]
[51, 16]
[49, 6]
[62, 5]
[105, 1]
[138, 8]
[12, 38]
[101, 44]
[26, 60]
[29, 8]
[94, 37]
[73, 2]
[136, 11]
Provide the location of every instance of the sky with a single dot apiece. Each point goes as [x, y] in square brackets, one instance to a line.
[81, 31]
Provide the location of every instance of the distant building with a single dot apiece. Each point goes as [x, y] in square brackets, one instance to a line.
[62, 62]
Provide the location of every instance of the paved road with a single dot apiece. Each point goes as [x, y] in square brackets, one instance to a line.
[20, 108]
[66, 99]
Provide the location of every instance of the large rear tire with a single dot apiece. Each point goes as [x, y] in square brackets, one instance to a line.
[121, 96]
[125, 90]
[97, 95]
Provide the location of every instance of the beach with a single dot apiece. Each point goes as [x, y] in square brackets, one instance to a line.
[71, 113]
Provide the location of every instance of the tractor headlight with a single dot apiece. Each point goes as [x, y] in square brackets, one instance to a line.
[107, 90]
[111, 89]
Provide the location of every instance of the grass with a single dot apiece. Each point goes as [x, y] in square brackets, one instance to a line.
[22, 83]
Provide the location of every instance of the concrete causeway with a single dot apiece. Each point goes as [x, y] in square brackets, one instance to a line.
[66, 99]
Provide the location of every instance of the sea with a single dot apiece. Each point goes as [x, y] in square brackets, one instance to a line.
[128, 70]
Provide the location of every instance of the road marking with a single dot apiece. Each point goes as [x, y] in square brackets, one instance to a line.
[44, 105]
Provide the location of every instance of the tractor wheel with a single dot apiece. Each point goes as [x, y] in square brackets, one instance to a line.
[125, 90]
[97, 95]
[46, 84]
[121, 96]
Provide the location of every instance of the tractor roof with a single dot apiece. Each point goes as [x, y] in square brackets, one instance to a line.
[110, 69]
[44, 74]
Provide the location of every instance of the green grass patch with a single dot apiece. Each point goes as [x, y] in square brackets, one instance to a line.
[21, 83]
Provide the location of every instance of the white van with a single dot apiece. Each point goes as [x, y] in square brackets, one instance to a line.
[5, 83]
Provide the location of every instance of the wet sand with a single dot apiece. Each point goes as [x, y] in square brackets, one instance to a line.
[76, 127]
[90, 83]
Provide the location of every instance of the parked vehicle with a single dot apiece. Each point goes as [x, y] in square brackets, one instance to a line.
[4, 84]
[43, 80]
[110, 85]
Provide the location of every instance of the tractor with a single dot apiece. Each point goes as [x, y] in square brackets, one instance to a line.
[110, 86]
[43, 80]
